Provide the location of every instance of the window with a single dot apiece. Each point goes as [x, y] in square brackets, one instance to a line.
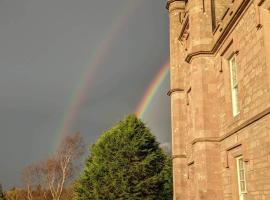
[242, 186]
[234, 85]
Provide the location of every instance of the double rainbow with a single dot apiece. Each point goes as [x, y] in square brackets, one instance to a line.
[80, 94]
[145, 102]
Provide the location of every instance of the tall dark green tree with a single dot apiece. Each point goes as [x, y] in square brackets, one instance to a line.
[126, 163]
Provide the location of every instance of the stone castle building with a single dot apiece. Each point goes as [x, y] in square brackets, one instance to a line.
[220, 99]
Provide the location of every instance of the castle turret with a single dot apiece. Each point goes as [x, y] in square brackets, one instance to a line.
[176, 13]
[194, 160]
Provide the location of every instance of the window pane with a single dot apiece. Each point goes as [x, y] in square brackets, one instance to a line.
[234, 72]
[235, 101]
[242, 176]
[243, 186]
[234, 85]
[240, 163]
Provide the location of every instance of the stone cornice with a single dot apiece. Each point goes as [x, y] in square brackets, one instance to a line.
[234, 130]
[171, 1]
[169, 93]
[246, 123]
[179, 156]
[233, 146]
[205, 139]
[223, 36]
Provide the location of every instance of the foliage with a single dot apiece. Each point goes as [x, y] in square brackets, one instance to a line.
[16, 194]
[2, 197]
[166, 174]
[53, 174]
[126, 163]
[31, 177]
[38, 193]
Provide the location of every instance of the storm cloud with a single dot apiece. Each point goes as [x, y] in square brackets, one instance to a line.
[46, 47]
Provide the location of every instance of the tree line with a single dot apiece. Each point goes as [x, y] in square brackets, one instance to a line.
[126, 162]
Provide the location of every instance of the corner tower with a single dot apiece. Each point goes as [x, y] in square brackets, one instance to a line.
[176, 14]
[220, 98]
[196, 156]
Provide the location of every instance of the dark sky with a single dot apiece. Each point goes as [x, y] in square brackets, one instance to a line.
[47, 46]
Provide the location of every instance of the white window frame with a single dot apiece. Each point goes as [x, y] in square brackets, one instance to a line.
[234, 85]
[241, 179]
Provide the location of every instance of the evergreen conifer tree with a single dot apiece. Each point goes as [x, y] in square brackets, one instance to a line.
[126, 163]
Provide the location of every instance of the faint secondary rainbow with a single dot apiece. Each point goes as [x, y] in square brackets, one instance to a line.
[152, 89]
[78, 97]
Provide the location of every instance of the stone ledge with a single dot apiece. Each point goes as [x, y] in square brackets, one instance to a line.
[205, 139]
[233, 131]
[246, 123]
[171, 91]
[171, 1]
[179, 156]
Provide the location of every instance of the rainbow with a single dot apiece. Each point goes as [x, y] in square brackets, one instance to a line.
[152, 89]
[79, 95]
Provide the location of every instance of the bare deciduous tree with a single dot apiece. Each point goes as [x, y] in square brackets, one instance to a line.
[30, 176]
[60, 168]
[54, 173]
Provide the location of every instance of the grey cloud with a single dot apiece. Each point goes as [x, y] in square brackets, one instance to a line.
[45, 49]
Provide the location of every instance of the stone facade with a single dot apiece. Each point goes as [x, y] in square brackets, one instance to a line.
[209, 141]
